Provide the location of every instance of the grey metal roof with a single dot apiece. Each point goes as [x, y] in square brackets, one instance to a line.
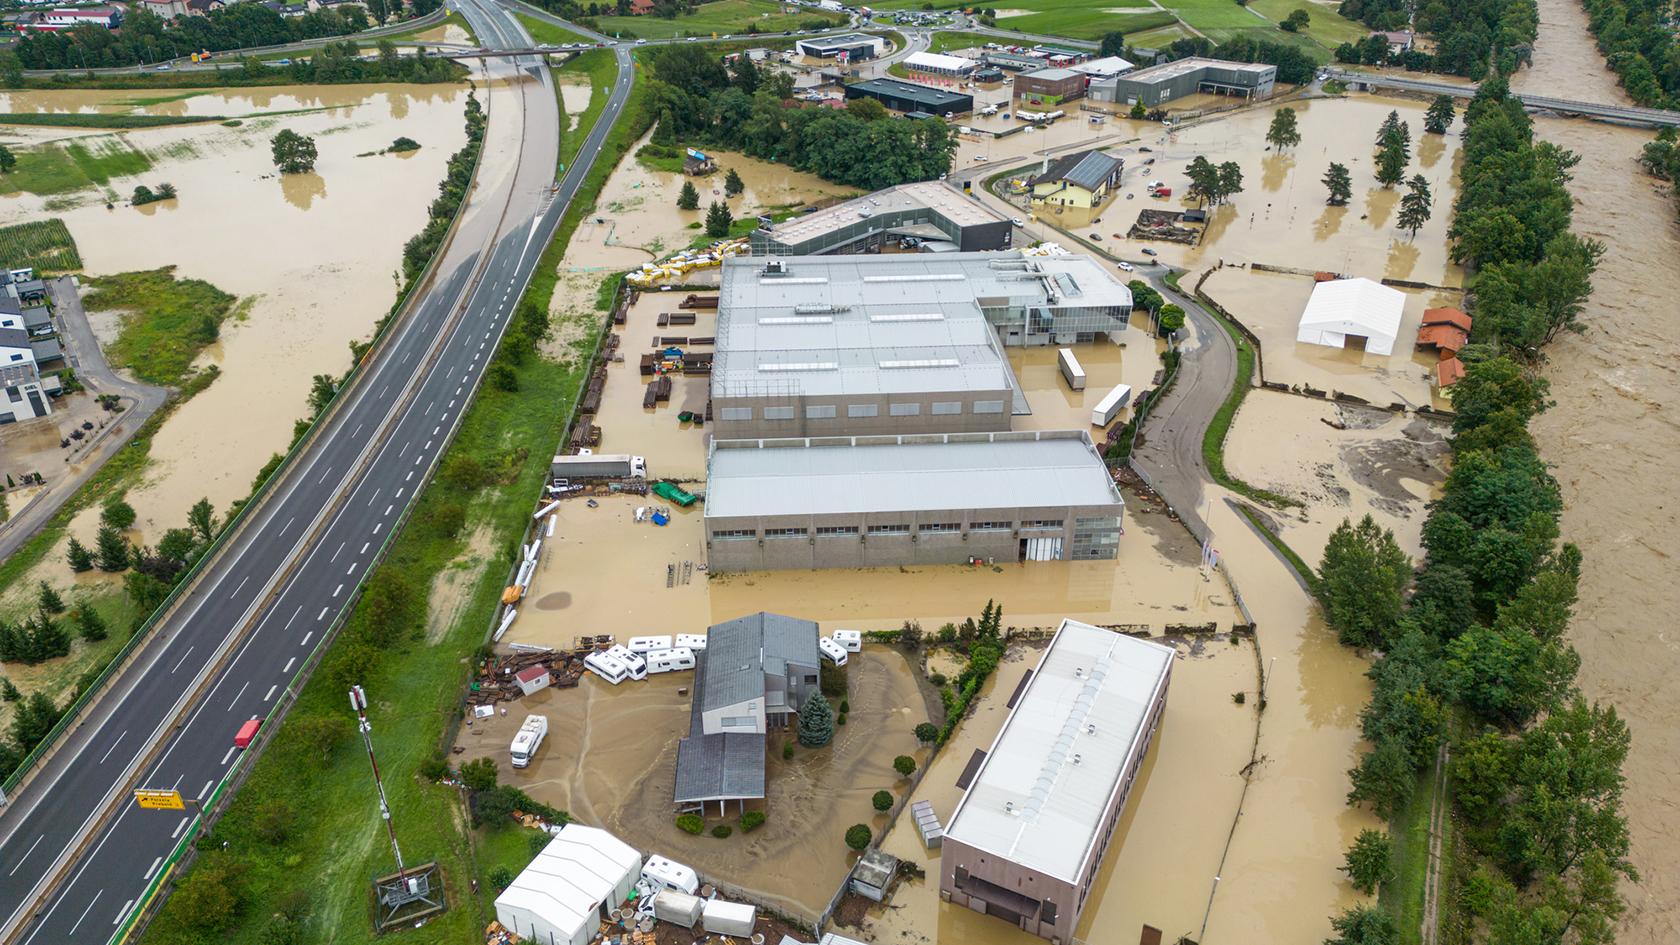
[768, 641]
[36, 317]
[1043, 790]
[9, 305]
[1050, 74]
[1168, 71]
[46, 349]
[730, 669]
[912, 91]
[922, 473]
[788, 640]
[18, 373]
[720, 767]
[1087, 169]
[14, 338]
[844, 40]
[935, 196]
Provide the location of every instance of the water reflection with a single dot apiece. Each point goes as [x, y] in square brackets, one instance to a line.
[302, 189]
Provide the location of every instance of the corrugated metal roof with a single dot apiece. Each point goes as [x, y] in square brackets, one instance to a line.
[1049, 74]
[577, 871]
[1041, 795]
[730, 670]
[1087, 169]
[720, 767]
[907, 474]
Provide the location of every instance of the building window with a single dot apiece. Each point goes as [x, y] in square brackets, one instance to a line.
[889, 529]
[960, 877]
[940, 527]
[906, 410]
[829, 531]
[825, 412]
[1043, 523]
[734, 533]
[990, 526]
[988, 406]
[947, 408]
[862, 410]
[1049, 914]
[736, 413]
[784, 533]
[778, 413]
[810, 679]
[739, 721]
[1096, 538]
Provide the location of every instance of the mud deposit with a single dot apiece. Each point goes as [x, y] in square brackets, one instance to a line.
[611, 757]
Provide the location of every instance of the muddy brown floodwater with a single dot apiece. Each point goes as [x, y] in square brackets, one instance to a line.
[1612, 438]
[315, 255]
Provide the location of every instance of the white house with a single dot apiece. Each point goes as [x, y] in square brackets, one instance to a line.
[565, 894]
[1353, 308]
[24, 399]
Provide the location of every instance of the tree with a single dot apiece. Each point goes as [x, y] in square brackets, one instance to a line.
[718, 220]
[1367, 860]
[883, 800]
[1171, 319]
[1295, 22]
[449, 519]
[293, 153]
[1113, 44]
[464, 472]
[88, 621]
[8, 160]
[1374, 50]
[835, 680]
[113, 551]
[35, 718]
[81, 559]
[1391, 161]
[927, 732]
[208, 899]
[1390, 125]
[816, 722]
[858, 836]
[48, 600]
[732, 183]
[1283, 133]
[387, 606]
[1339, 184]
[689, 199]
[1359, 582]
[867, 109]
[322, 389]
[324, 733]
[202, 518]
[177, 545]
[11, 71]
[1416, 205]
[272, 820]
[1230, 180]
[1494, 387]
[1508, 678]
[479, 775]
[1364, 925]
[117, 514]
[904, 765]
[1568, 800]
[1439, 118]
[1481, 771]
[1204, 180]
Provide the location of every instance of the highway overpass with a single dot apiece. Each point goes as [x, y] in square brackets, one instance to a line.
[1620, 114]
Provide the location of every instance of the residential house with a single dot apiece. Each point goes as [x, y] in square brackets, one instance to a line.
[1081, 179]
[1398, 41]
[167, 9]
[63, 18]
[24, 398]
[641, 7]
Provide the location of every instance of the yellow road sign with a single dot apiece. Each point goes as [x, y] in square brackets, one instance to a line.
[160, 800]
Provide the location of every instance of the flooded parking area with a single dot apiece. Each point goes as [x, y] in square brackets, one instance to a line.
[1131, 357]
[675, 449]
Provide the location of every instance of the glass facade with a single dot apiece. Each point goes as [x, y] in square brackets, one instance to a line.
[1096, 538]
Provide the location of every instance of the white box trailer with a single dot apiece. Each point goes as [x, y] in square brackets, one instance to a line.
[529, 739]
[669, 661]
[607, 666]
[634, 662]
[679, 908]
[648, 644]
[693, 641]
[670, 874]
[831, 651]
[1071, 371]
[852, 640]
[729, 918]
[1110, 406]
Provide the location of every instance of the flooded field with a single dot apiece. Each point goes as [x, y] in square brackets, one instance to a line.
[1270, 305]
[317, 256]
[611, 755]
[674, 449]
[1612, 440]
[225, 103]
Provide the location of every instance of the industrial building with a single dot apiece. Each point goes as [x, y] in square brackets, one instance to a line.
[1014, 62]
[932, 212]
[1027, 840]
[861, 502]
[754, 674]
[1081, 179]
[893, 344]
[1344, 309]
[1164, 83]
[1104, 68]
[942, 65]
[848, 47]
[1049, 86]
[564, 895]
[909, 97]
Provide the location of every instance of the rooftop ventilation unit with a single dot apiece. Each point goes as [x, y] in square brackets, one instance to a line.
[911, 317]
[798, 320]
[801, 366]
[927, 363]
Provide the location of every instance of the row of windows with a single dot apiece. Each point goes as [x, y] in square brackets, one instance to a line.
[1044, 523]
[855, 411]
[837, 531]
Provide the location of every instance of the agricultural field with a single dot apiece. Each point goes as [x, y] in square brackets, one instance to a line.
[1153, 24]
[545, 32]
[44, 245]
[1325, 27]
[724, 17]
[51, 169]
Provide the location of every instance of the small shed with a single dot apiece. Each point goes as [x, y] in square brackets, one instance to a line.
[729, 918]
[1353, 308]
[873, 874]
[533, 679]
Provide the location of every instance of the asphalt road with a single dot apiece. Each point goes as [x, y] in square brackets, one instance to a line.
[75, 853]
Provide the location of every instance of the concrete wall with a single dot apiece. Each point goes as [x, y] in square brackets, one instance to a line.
[803, 424]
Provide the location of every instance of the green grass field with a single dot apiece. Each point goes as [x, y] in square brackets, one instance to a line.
[50, 169]
[44, 244]
[453, 19]
[1403, 895]
[100, 120]
[544, 32]
[723, 17]
[1324, 27]
[166, 327]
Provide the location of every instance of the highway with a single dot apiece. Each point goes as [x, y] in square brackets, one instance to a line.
[75, 853]
[1621, 114]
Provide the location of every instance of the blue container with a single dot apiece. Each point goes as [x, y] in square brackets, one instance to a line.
[660, 519]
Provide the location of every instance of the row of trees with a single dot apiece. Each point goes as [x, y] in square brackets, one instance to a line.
[418, 251]
[1211, 184]
[1637, 39]
[1473, 37]
[146, 37]
[1476, 655]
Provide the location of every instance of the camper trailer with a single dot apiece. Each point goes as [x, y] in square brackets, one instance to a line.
[729, 918]
[529, 739]
[678, 908]
[633, 662]
[670, 661]
[831, 651]
[1071, 371]
[852, 640]
[649, 644]
[692, 641]
[607, 666]
[1110, 406]
[671, 875]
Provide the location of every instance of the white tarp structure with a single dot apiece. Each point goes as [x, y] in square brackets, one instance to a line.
[562, 897]
[939, 64]
[1357, 307]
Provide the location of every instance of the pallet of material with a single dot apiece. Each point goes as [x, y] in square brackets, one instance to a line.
[591, 402]
[699, 302]
[665, 341]
[683, 318]
[662, 388]
[597, 384]
[708, 411]
[647, 365]
[619, 317]
[650, 398]
[706, 340]
[664, 319]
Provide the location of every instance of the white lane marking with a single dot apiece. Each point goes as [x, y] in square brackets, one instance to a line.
[288, 524]
[206, 789]
[428, 444]
[337, 589]
[409, 476]
[382, 390]
[305, 640]
[376, 528]
[336, 553]
[436, 429]
[358, 430]
[26, 853]
[388, 509]
[122, 913]
[231, 750]
[85, 912]
[289, 665]
[271, 692]
[183, 659]
[241, 693]
[241, 585]
[399, 495]
[366, 545]
[481, 345]
[323, 477]
[417, 460]
[321, 616]
[153, 868]
[452, 403]
[113, 747]
[294, 617]
[458, 390]
[179, 827]
[352, 568]
[370, 500]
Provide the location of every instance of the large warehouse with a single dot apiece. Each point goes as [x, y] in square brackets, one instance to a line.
[892, 344]
[1027, 840]
[861, 502]
[1049, 86]
[1164, 83]
[910, 97]
[853, 47]
[564, 895]
[1344, 309]
[933, 211]
[938, 64]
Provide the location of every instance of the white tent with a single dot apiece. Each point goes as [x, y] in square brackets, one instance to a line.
[563, 896]
[1356, 307]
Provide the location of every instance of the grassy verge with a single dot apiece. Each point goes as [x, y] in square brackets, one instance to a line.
[723, 17]
[45, 245]
[412, 36]
[1403, 895]
[79, 120]
[53, 169]
[170, 321]
[545, 32]
[1295, 561]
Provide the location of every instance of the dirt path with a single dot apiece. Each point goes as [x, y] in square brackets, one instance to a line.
[1437, 839]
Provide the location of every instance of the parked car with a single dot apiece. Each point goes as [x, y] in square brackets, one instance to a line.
[1150, 252]
[1018, 222]
[1125, 266]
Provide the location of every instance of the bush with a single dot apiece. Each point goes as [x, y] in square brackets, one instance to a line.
[434, 768]
[904, 765]
[840, 719]
[273, 821]
[479, 775]
[938, 679]
[538, 843]
[691, 823]
[787, 751]
[845, 706]
[883, 800]
[500, 877]
[858, 836]
[835, 680]
[722, 830]
[752, 820]
[927, 732]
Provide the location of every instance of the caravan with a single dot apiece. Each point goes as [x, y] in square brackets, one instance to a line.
[831, 651]
[607, 666]
[649, 644]
[669, 661]
[671, 875]
[852, 640]
[692, 641]
[633, 662]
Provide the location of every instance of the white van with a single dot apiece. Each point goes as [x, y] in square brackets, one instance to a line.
[649, 644]
[670, 661]
[632, 661]
[693, 641]
[851, 640]
[606, 666]
[831, 651]
[671, 875]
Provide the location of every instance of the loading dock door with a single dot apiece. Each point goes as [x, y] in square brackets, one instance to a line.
[1044, 549]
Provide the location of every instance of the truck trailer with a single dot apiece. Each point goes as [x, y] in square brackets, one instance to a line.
[529, 739]
[1110, 406]
[608, 466]
[1071, 371]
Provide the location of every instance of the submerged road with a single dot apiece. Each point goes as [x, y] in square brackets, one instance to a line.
[76, 855]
